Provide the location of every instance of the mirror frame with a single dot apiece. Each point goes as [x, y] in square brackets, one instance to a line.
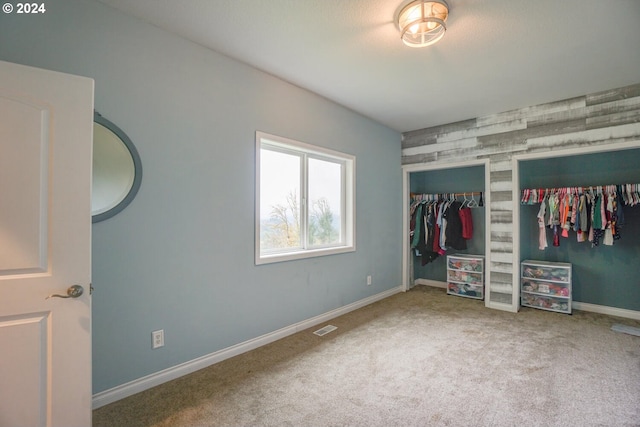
[137, 166]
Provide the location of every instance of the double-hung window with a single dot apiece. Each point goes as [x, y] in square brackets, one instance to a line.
[305, 200]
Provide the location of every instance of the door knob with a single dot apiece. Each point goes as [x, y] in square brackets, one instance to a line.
[73, 292]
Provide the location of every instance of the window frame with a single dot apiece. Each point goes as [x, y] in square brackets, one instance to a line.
[347, 218]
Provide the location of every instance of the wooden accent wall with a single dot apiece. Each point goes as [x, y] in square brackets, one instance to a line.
[592, 120]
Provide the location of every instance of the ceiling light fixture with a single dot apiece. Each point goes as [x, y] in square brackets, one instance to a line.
[422, 23]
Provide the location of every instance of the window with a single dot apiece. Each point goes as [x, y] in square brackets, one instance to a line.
[304, 200]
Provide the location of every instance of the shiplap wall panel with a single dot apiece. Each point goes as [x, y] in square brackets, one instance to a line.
[500, 163]
[420, 158]
[480, 131]
[614, 119]
[498, 218]
[598, 136]
[632, 91]
[444, 146]
[601, 118]
[527, 113]
[501, 267]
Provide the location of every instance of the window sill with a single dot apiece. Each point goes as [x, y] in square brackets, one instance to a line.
[312, 253]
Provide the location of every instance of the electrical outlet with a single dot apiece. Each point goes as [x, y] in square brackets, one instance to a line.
[368, 280]
[157, 339]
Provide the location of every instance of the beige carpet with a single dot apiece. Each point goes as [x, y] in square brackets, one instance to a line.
[420, 358]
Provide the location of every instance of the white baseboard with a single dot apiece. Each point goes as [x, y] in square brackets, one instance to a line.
[128, 389]
[603, 309]
[429, 282]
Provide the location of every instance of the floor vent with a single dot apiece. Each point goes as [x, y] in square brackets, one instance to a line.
[324, 331]
[626, 329]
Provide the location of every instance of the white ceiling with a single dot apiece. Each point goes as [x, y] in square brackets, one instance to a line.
[497, 55]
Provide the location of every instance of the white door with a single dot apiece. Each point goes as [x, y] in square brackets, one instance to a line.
[46, 125]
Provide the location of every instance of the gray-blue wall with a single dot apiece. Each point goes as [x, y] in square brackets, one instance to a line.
[181, 256]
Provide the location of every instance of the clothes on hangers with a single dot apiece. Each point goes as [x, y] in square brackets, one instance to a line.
[438, 223]
[453, 233]
[595, 214]
[627, 194]
[467, 222]
[542, 238]
[423, 232]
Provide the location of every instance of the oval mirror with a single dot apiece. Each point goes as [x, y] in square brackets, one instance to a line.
[117, 170]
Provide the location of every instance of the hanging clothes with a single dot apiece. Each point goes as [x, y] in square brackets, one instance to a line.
[595, 214]
[436, 235]
[453, 233]
[422, 231]
[466, 219]
[416, 222]
[596, 225]
[442, 223]
[583, 219]
[428, 254]
[542, 238]
[439, 222]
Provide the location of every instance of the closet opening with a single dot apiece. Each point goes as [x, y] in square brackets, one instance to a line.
[445, 182]
[604, 276]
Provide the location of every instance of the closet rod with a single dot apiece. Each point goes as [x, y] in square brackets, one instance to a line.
[634, 187]
[471, 193]
[630, 192]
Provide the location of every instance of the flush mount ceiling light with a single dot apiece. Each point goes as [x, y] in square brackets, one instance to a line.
[422, 23]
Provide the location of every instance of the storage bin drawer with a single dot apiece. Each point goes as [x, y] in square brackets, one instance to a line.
[464, 276]
[560, 304]
[559, 289]
[542, 272]
[465, 264]
[466, 290]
